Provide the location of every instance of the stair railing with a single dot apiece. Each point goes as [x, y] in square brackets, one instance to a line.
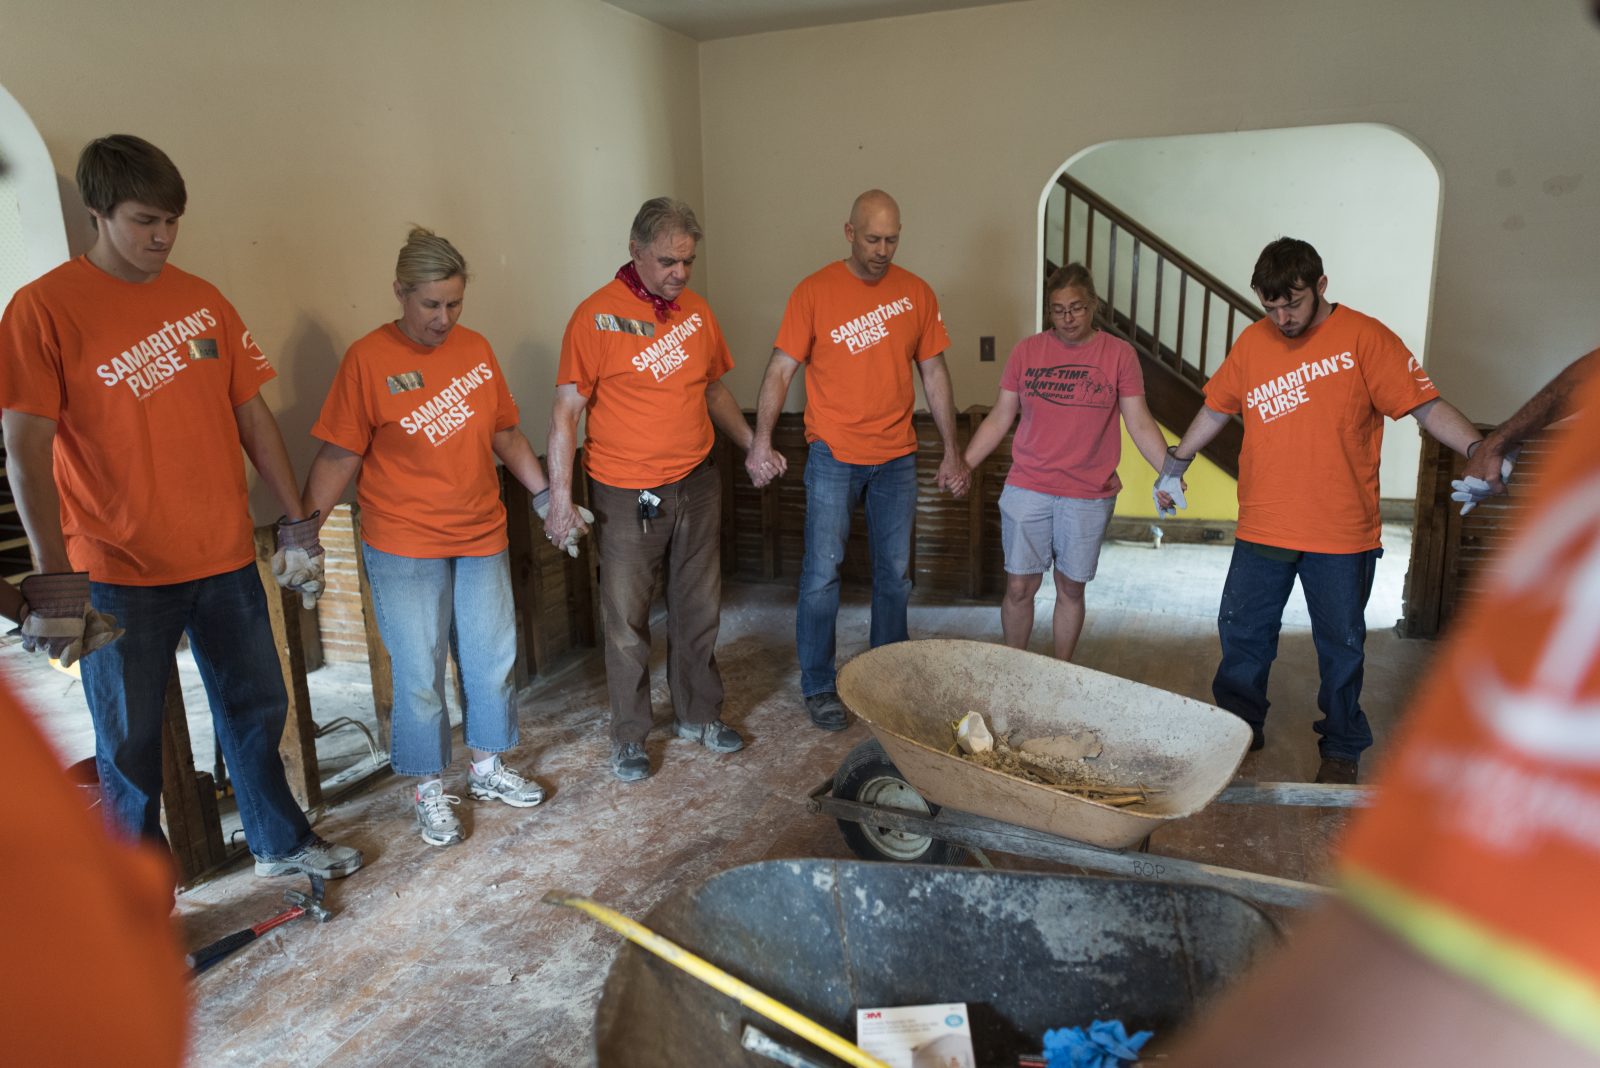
[1123, 320]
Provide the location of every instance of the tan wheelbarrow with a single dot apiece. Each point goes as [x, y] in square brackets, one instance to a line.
[904, 797]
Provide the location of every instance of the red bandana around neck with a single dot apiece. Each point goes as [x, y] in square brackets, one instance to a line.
[629, 276]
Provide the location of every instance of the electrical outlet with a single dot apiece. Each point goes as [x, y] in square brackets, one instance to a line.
[986, 349]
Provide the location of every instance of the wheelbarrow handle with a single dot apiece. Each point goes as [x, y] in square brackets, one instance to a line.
[715, 977]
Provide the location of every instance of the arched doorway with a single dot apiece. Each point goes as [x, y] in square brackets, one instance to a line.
[1367, 196]
[33, 238]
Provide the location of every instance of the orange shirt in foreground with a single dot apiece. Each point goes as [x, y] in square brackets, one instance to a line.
[142, 380]
[423, 420]
[1483, 851]
[1313, 410]
[857, 340]
[646, 382]
[89, 969]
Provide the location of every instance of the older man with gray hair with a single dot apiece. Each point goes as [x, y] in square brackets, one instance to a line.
[644, 357]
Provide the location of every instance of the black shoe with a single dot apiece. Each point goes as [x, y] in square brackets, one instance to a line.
[827, 711]
[1336, 772]
[1258, 741]
[716, 736]
[629, 762]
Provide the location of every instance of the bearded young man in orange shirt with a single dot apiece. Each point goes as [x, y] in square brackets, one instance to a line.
[128, 387]
[1313, 381]
[644, 358]
[859, 326]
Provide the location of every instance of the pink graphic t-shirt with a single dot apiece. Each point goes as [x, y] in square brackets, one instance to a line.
[1069, 439]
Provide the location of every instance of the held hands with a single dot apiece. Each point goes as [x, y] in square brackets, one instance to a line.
[58, 618]
[1169, 487]
[297, 565]
[764, 463]
[954, 474]
[564, 523]
[1483, 478]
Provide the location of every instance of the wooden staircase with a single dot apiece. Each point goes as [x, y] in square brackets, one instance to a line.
[1177, 349]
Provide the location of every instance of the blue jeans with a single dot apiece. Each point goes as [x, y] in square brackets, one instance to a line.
[1336, 586]
[125, 684]
[832, 490]
[422, 604]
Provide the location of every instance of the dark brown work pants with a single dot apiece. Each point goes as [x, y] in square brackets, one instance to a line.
[683, 550]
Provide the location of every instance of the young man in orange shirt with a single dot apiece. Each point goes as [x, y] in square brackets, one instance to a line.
[1313, 381]
[1467, 935]
[644, 357]
[128, 387]
[859, 326]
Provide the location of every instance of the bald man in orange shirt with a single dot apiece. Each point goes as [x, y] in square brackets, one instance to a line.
[859, 325]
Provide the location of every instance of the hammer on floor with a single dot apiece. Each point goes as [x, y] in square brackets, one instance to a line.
[300, 905]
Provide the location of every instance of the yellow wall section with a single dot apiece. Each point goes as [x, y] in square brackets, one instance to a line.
[1212, 493]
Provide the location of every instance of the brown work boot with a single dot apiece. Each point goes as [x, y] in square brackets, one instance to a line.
[1336, 772]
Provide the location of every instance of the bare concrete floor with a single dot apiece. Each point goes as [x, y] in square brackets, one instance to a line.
[406, 972]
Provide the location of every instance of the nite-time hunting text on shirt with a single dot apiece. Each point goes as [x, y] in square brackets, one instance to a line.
[448, 411]
[1071, 385]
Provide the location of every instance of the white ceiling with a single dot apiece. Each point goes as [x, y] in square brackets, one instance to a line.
[706, 20]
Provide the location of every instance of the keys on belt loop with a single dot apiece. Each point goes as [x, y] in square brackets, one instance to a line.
[647, 509]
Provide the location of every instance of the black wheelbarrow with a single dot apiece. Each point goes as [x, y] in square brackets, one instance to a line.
[1026, 951]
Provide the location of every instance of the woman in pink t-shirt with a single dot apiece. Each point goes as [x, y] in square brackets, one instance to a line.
[1070, 384]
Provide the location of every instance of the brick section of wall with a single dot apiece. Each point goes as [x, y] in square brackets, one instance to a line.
[341, 622]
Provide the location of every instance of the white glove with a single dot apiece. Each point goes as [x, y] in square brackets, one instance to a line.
[1472, 492]
[297, 565]
[57, 617]
[1170, 482]
[541, 508]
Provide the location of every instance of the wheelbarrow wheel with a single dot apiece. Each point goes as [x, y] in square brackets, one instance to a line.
[868, 776]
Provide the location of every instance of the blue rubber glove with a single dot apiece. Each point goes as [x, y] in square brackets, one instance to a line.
[1170, 482]
[1107, 1044]
[59, 620]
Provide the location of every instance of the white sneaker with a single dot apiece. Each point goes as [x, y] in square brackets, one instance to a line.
[503, 784]
[435, 822]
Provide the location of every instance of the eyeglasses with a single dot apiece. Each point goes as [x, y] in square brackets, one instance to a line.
[1071, 311]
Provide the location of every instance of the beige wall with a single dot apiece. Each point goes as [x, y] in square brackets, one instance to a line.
[966, 115]
[310, 134]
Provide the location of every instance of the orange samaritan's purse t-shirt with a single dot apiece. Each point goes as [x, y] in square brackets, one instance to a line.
[142, 380]
[1483, 850]
[423, 420]
[646, 382]
[1313, 410]
[857, 340]
[103, 918]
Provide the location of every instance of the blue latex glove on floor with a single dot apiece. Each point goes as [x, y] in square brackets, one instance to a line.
[1106, 1045]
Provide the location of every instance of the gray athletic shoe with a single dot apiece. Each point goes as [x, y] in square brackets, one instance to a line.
[435, 822]
[320, 858]
[503, 784]
[716, 736]
[629, 761]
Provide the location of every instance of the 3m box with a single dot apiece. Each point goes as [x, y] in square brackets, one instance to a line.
[917, 1036]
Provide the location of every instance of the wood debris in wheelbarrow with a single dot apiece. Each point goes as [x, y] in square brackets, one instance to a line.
[1066, 762]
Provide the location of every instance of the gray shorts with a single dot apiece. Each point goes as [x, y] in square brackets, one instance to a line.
[1036, 528]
